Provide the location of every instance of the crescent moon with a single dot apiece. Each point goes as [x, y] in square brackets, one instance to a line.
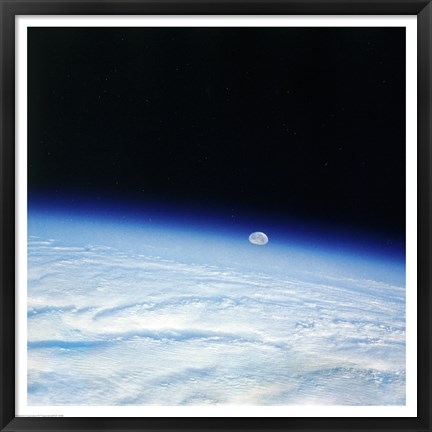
[258, 238]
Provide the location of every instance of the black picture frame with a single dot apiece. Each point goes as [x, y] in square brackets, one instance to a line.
[11, 8]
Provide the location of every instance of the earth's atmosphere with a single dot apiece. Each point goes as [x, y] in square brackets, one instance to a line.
[129, 313]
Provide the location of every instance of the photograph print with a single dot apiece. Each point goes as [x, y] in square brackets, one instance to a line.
[216, 216]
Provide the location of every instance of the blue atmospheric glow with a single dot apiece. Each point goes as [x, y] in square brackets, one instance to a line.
[208, 235]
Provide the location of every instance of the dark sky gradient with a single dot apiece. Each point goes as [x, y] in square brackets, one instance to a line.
[301, 122]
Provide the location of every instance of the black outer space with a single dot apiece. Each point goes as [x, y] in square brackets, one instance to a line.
[303, 122]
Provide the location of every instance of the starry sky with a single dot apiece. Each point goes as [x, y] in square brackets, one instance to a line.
[292, 121]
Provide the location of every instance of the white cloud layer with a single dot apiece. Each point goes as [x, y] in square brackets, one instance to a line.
[109, 326]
